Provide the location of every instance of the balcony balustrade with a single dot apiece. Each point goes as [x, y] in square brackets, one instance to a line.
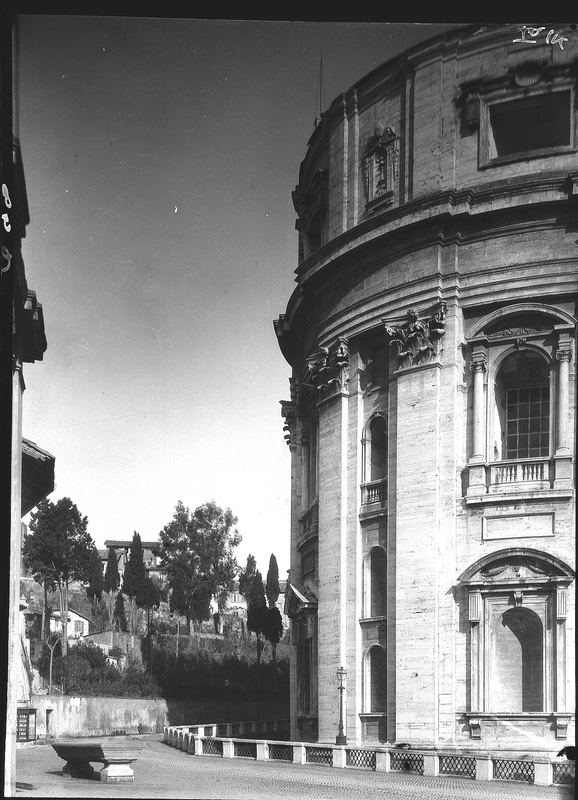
[374, 493]
[503, 474]
[520, 477]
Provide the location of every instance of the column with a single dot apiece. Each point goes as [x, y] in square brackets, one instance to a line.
[478, 366]
[563, 356]
[562, 459]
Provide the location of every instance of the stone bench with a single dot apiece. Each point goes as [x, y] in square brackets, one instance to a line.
[115, 753]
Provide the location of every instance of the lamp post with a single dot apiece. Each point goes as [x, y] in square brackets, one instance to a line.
[341, 738]
[227, 682]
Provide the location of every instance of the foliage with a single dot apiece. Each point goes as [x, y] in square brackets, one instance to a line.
[58, 550]
[119, 616]
[246, 575]
[257, 611]
[111, 580]
[111, 576]
[202, 675]
[133, 584]
[197, 551]
[272, 589]
[85, 671]
[95, 586]
[149, 598]
[273, 626]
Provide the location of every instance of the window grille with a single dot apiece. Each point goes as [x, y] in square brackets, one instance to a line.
[564, 773]
[280, 752]
[245, 749]
[458, 765]
[514, 770]
[527, 422]
[222, 730]
[410, 762]
[235, 728]
[360, 758]
[319, 755]
[208, 730]
[212, 747]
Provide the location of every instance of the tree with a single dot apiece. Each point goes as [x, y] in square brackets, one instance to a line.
[119, 617]
[273, 631]
[58, 550]
[133, 584]
[257, 612]
[272, 589]
[197, 551]
[246, 576]
[149, 598]
[111, 578]
[273, 621]
[95, 586]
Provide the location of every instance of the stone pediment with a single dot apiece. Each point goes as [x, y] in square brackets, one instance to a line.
[298, 599]
[515, 566]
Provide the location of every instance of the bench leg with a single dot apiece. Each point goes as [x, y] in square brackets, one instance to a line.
[117, 773]
[78, 769]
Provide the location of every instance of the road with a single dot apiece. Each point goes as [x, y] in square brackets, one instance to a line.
[164, 772]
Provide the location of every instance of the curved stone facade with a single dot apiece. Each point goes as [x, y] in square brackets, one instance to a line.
[431, 419]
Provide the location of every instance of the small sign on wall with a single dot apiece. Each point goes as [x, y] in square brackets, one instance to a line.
[518, 526]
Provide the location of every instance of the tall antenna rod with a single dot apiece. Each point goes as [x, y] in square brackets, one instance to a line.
[318, 116]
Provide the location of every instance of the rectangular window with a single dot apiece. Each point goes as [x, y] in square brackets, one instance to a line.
[527, 422]
[539, 122]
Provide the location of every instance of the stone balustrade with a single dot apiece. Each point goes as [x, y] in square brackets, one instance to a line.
[208, 740]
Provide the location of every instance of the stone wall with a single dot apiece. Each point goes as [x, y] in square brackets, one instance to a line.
[58, 716]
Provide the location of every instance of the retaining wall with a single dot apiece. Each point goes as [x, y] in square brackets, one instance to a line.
[63, 716]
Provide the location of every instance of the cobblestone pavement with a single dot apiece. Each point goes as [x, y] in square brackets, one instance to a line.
[163, 771]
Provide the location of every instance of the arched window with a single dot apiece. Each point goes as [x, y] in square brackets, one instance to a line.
[374, 463]
[375, 583]
[522, 407]
[378, 458]
[375, 681]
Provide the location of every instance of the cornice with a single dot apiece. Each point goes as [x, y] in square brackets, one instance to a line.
[450, 203]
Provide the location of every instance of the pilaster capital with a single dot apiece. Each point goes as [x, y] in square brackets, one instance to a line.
[479, 363]
[564, 354]
[418, 339]
[328, 369]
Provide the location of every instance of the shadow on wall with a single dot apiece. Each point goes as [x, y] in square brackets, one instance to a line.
[182, 712]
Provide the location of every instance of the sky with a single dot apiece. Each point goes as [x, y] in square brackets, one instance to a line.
[159, 157]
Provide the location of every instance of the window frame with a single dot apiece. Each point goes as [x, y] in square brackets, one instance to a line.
[496, 428]
[548, 584]
[485, 156]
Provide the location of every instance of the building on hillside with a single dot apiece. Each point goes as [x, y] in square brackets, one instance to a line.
[122, 549]
[77, 627]
[431, 419]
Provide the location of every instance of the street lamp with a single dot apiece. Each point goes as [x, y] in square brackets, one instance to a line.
[341, 738]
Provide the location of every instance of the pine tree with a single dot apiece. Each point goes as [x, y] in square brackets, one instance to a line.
[119, 617]
[273, 621]
[133, 584]
[111, 579]
[257, 613]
